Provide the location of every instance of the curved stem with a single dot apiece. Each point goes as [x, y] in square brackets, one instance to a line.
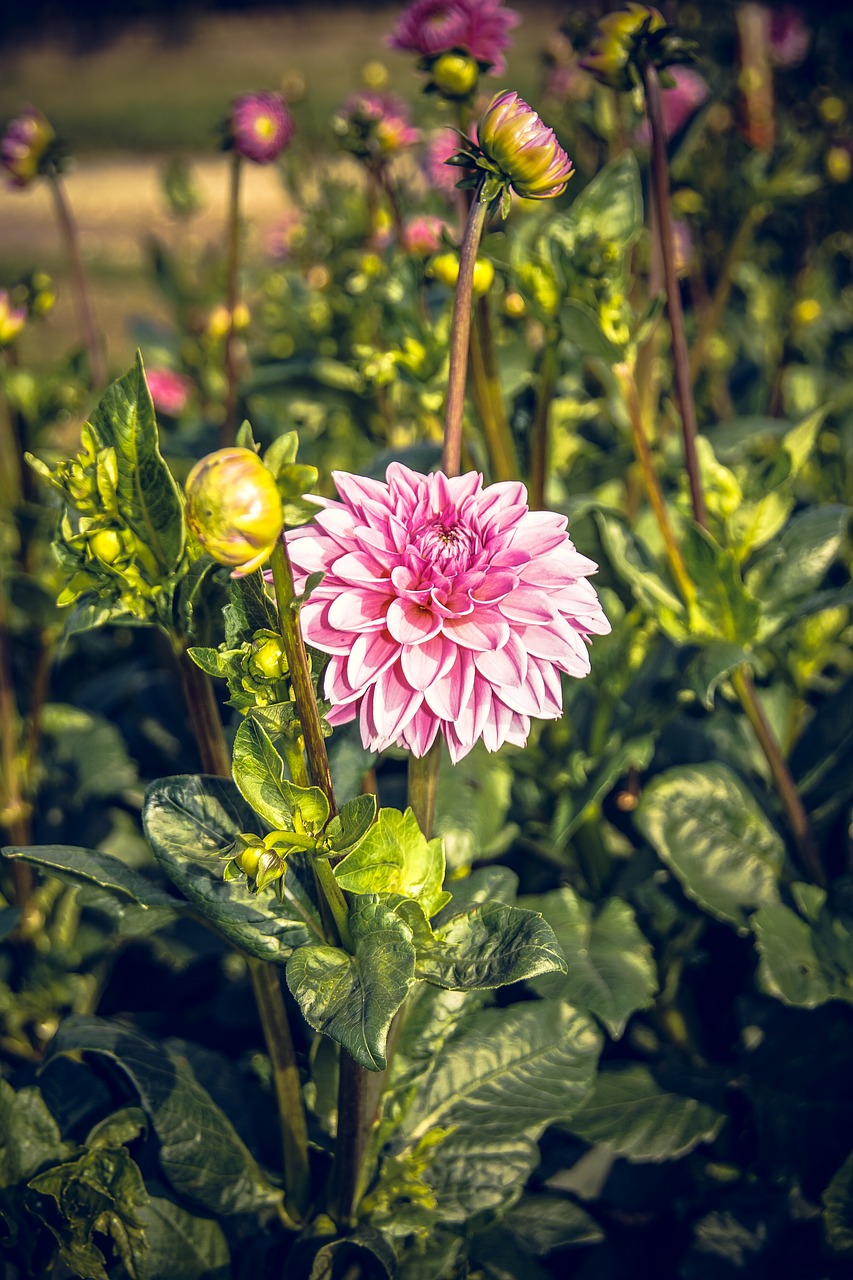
[460, 332]
[681, 360]
[713, 314]
[232, 291]
[85, 310]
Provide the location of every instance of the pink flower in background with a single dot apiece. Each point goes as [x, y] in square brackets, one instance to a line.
[23, 145]
[422, 234]
[383, 117]
[441, 175]
[170, 391]
[447, 608]
[479, 27]
[680, 103]
[789, 37]
[260, 126]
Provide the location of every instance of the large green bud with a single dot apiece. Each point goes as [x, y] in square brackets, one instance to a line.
[234, 508]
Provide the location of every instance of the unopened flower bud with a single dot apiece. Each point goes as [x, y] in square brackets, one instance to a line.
[455, 75]
[250, 857]
[269, 660]
[23, 145]
[260, 126]
[234, 508]
[446, 269]
[527, 153]
[620, 36]
[106, 545]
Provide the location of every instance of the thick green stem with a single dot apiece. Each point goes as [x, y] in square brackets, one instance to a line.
[539, 443]
[489, 398]
[85, 310]
[460, 332]
[300, 673]
[334, 896]
[232, 293]
[785, 786]
[423, 786]
[288, 1089]
[681, 360]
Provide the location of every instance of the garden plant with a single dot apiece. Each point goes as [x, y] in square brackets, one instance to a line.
[426, 693]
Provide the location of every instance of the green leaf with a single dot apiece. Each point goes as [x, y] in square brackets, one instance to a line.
[191, 823]
[542, 1223]
[29, 1135]
[513, 1072]
[580, 325]
[611, 970]
[611, 206]
[838, 1210]
[725, 608]
[820, 761]
[798, 561]
[473, 1172]
[799, 442]
[200, 1152]
[148, 498]
[710, 667]
[354, 820]
[789, 968]
[100, 1192]
[181, 1246]
[395, 857]
[629, 1112]
[199, 598]
[248, 610]
[633, 562]
[353, 998]
[471, 807]
[259, 772]
[582, 803]
[91, 866]
[707, 828]
[488, 946]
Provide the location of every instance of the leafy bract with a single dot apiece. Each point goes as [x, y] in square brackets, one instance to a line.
[353, 998]
[629, 1112]
[611, 971]
[191, 822]
[200, 1152]
[708, 829]
[395, 857]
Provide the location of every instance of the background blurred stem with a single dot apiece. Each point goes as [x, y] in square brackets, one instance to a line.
[489, 397]
[539, 439]
[86, 313]
[232, 292]
[710, 320]
[663, 216]
[460, 332]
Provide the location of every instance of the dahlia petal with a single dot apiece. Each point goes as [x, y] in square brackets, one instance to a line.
[540, 532]
[497, 725]
[337, 686]
[319, 631]
[356, 490]
[450, 693]
[343, 713]
[524, 605]
[557, 570]
[505, 666]
[336, 521]
[357, 610]
[359, 570]
[469, 723]
[310, 552]
[371, 653]
[424, 664]
[421, 732]
[409, 623]
[394, 702]
[493, 587]
[479, 631]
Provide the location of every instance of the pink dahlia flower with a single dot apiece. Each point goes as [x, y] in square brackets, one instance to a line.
[680, 103]
[478, 27]
[261, 126]
[422, 234]
[447, 608]
[441, 146]
[170, 391]
[383, 117]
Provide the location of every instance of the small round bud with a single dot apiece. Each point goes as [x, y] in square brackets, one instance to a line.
[455, 75]
[234, 508]
[250, 857]
[23, 146]
[527, 153]
[260, 126]
[270, 660]
[618, 42]
[446, 269]
[106, 545]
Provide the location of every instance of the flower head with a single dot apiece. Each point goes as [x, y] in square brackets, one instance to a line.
[260, 126]
[512, 136]
[447, 608]
[375, 124]
[170, 391]
[619, 39]
[12, 319]
[234, 508]
[479, 28]
[23, 146]
[422, 234]
[441, 147]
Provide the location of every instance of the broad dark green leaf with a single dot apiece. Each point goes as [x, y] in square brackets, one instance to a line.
[181, 1246]
[820, 761]
[707, 828]
[710, 667]
[630, 1113]
[248, 610]
[725, 609]
[581, 326]
[200, 1152]
[29, 1135]
[582, 804]
[354, 820]
[543, 1223]
[838, 1210]
[797, 562]
[634, 563]
[488, 946]
[789, 968]
[191, 822]
[91, 866]
[511, 1073]
[148, 497]
[472, 1172]
[353, 998]
[611, 970]
[395, 857]
[610, 207]
[471, 807]
[200, 595]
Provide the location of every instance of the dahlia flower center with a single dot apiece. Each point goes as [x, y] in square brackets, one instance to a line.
[445, 544]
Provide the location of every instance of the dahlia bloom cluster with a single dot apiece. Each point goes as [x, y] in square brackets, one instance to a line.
[260, 126]
[446, 607]
[479, 28]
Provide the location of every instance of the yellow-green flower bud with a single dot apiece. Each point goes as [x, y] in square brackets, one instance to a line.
[106, 545]
[619, 39]
[455, 75]
[250, 857]
[446, 269]
[525, 150]
[269, 660]
[234, 508]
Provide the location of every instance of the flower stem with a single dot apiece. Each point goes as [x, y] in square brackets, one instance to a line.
[288, 1089]
[423, 786]
[539, 437]
[625, 376]
[85, 310]
[14, 810]
[232, 290]
[712, 316]
[300, 673]
[795, 811]
[488, 397]
[681, 360]
[460, 332]
[216, 759]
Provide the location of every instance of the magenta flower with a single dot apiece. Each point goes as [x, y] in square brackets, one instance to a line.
[447, 608]
[372, 121]
[441, 146]
[422, 234]
[789, 37]
[522, 148]
[477, 27]
[170, 391]
[260, 126]
[679, 103]
[23, 146]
